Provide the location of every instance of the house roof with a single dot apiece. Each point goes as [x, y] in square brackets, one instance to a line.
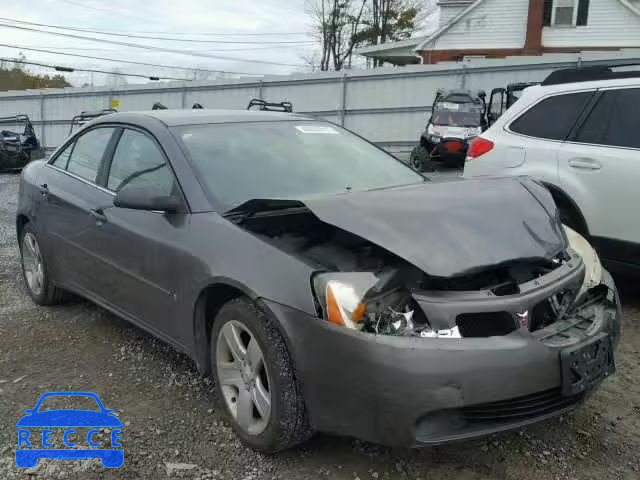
[632, 5]
[407, 48]
[396, 52]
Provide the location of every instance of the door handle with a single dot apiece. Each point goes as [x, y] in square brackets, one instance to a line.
[585, 164]
[98, 214]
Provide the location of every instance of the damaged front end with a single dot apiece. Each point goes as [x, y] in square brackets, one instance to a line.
[559, 299]
[441, 356]
[553, 300]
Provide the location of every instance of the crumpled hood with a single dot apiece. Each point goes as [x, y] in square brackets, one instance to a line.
[449, 229]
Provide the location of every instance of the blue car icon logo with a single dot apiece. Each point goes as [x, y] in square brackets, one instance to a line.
[68, 419]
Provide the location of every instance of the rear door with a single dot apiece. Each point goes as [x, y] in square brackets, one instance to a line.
[540, 131]
[600, 171]
[140, 251]
[70, 197]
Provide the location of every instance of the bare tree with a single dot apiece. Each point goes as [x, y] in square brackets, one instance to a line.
[336, 24]
[204, 74]
[392, 20]
[312, 60]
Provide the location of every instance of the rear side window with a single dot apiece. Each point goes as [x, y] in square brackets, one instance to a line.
[87, 155]
[614, 120]
[553, 117]
[138, 161]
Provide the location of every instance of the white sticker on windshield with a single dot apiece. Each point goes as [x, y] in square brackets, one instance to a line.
[316, 129]
[450, 106]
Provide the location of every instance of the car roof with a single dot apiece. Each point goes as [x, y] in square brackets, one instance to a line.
[174, 118]
[589, 85]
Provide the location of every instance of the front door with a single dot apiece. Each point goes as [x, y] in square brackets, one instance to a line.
[599, 168]
[141, 251]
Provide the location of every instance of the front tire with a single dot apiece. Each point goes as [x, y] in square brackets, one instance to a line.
[418, 158]
[255, 378]
[35, 271]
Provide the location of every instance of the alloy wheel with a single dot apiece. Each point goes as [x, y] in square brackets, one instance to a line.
[32, 264]
[243, 377]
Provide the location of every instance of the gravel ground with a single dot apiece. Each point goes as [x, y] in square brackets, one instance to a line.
[174, 428]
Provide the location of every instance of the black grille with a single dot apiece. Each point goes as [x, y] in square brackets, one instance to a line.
[487, 324]
[520, 409]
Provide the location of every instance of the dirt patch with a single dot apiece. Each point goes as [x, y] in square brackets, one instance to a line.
[173, 428]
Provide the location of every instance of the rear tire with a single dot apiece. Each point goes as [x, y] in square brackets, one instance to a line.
[35, 272]
[285, 424]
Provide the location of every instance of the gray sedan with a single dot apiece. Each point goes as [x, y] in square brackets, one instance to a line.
[325, 285]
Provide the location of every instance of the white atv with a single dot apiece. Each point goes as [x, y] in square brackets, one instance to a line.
[457, 117]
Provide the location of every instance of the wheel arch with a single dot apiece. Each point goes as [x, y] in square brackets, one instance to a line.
[563, 199]
[216, 293]
[21, 221]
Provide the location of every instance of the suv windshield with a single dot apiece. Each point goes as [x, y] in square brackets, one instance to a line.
[287, 160]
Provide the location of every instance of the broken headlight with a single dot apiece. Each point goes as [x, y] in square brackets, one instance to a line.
[340, 296]
[373, 303]
[593, 272]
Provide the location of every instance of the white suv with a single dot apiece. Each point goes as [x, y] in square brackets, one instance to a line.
[579, 134]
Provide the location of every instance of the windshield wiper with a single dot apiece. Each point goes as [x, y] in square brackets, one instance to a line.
[264, 208]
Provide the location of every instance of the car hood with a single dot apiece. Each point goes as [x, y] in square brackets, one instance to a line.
[69, 418]
[454, 228]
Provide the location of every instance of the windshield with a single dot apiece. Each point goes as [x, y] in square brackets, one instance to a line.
[287, 160]
[448, 114]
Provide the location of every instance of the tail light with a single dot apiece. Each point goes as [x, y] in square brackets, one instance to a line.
[478, 147]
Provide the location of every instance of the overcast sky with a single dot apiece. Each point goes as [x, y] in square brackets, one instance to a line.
[126, 16]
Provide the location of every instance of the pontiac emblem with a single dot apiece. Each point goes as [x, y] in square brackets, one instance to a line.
[523, 319]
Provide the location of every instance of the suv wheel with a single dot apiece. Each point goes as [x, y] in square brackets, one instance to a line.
[255, 378]
[35, 272]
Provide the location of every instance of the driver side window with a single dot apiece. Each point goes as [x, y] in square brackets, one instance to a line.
[138, 161]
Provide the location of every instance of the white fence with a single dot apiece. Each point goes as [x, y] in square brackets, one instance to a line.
[387, 106]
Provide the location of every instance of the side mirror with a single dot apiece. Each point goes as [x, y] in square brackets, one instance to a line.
[482, 94]
[149, 198]
[29, 410]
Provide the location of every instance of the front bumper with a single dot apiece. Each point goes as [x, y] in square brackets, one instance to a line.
[406, 391]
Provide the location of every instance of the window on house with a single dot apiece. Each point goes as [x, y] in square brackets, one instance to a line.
[565, 13]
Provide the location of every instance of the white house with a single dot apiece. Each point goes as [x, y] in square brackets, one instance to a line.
[500, 28]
